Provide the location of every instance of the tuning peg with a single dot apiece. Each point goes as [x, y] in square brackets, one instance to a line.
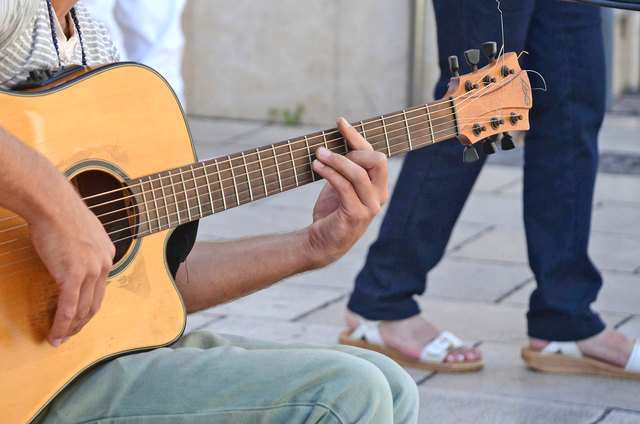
[470, 155]
[490, 50]
[489, 146]
[472, 57]
[454, 66]
[507, 142]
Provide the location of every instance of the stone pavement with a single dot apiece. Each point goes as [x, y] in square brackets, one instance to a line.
[479, 290]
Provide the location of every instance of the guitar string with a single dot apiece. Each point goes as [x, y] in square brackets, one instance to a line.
[384, 141]
[323, 135]
[166, 217]
[470, 98]
[158, 217]
[374, 140]
[287, 153]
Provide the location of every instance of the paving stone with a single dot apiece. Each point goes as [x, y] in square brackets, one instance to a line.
[625, 188]
[470, 406]
[621, 417]
[501, 244]
[283, 300]
[200, 320]
[457, 278]
[493, 208]
[620, 134]
[615, 252]
[506, 374]
[278, 330]
[495, 178]
[616, 217]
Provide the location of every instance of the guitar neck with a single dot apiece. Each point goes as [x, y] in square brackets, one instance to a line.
[174, 197]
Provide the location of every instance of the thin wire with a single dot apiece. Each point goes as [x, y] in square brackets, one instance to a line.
[460, 106]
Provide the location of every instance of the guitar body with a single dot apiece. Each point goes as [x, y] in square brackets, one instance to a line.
[118, 122]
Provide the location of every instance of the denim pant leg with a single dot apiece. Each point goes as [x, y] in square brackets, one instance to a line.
[565, 45]
[205, 378]
[434, 183]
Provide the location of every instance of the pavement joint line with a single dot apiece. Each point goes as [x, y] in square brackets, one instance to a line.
[492, 261]
[623, 321]
[472, 238]
[515, 289]
[319, 307]
[604, 415]
[480, 260]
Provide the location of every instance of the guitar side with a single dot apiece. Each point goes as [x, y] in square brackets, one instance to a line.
[122, 121]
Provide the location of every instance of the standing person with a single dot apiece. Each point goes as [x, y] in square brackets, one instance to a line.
[147, 32]
[559, 173]
[202, 377]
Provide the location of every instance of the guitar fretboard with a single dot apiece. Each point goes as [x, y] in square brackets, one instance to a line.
[177, 196]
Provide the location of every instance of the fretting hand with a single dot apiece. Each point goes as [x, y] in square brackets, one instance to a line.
[356, 189]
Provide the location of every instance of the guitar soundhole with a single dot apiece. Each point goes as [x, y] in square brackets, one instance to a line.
[113, 204]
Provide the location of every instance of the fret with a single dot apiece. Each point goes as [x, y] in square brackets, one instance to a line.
[264, 180]
[346, 145]
[233, 178]
[164, 199]
[386, 136]
[224, 198]
[433, 138]
[313, 174]
[246, 169]
[275, 159]
[293, 164]
[206, 177]
[364, 133]
[155, 202]
[406, 123]
[186, 197]
[175, 200]
[324, 137]
[146, 206]
[195, 187]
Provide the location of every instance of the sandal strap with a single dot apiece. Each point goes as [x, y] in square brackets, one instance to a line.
[565, 348]
[439, 347]
[368, 330]
[633, 364]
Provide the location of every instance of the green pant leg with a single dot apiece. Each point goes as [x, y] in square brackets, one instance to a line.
[205, 378]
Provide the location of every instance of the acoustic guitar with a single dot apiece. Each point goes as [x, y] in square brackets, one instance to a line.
[121, 138]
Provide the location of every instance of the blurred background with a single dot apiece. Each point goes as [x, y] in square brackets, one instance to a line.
[313, 61]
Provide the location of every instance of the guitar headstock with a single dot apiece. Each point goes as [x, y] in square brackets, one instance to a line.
[492, 100]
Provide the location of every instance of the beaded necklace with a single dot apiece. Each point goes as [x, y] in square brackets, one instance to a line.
[74, 17]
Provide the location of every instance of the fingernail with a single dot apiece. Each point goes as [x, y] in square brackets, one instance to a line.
[461, 357]
[56, 342]
[344, 121]
[323, 153]
[66, 339]
[318, 164]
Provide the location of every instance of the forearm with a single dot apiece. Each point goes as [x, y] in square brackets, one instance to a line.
[30, 183]
[217, 272]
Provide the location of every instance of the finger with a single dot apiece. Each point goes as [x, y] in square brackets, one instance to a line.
[356, 176]
[85, 302]
[346, 193]
[375, 163]
[65, 314]
[353, 137]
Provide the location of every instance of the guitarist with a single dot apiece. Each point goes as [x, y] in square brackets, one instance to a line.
[203, 377]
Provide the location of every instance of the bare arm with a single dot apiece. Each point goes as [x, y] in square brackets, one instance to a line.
[218, 272]
[68, 237]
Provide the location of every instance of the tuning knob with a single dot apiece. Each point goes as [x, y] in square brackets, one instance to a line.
[507, 142]
[472, 57]
[490, 50]
[454, 66]
[470, 155]
[489, 146]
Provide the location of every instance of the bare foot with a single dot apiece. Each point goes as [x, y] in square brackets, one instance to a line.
[411, 335]
[609, 345]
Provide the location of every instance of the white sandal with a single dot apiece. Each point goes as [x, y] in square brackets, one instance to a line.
[566, 358]
[367, 336]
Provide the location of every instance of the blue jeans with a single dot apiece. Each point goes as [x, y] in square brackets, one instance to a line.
[564, 42]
